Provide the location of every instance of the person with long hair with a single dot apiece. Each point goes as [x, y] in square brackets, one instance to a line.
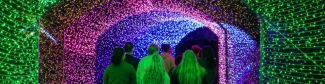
[155, 73]
[151, 65]
[207, 61]
[119, 72]
[188, 71]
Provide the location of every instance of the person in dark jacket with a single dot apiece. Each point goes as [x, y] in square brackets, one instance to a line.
[207, 61]
[189, 71]
[178, 59]
[129, 48]
[119, 72]
[177, 62]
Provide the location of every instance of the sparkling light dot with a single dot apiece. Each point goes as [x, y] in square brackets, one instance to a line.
[292, 40]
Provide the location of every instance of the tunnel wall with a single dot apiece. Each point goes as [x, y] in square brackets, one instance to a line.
[19, 58]
[62, 16]
[16, 45]
[292, 41]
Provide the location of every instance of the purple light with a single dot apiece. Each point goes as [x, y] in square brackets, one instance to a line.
[81, 37]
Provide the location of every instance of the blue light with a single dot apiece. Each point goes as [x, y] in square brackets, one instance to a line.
[130, 29]
[170, 32]
[169, 28]
[243, 52]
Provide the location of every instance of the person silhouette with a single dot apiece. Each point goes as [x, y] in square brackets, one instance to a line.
[129, 48]
[189, 71]
[119, 72]
[149, 68]
[208, 62]
[169, 60]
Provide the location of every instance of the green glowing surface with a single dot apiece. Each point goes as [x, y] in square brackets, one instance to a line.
[294, 40]
[19, 40]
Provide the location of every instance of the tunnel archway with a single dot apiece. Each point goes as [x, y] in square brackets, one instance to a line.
[80, 37]
[201, 37]
[86, 52]
[148, 30]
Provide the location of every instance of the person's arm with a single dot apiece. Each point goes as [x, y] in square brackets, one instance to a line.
[170, 71]
[106, 79]
[172, 62]
[133, 77]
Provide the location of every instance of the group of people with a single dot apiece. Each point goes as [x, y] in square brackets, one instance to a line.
[195, 66]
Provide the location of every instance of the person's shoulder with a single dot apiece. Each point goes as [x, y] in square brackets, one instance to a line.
[171, 57]
[129, 66]
[109, 67]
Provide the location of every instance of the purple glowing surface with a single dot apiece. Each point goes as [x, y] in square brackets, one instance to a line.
[81, 37]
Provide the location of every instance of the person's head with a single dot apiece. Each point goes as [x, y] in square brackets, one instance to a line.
[190, 69]
[153, 48]
[128, 47]
[166, 48]
[155, 74]
[196, 49]
[118, 56]
[208, 53]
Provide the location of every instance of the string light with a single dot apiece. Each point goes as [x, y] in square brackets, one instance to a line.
[70, 45]
[170, 32]
[293, 41]
[68, 21]
[236, 13]
[243, 57]
[59, 17]
[19, 40]
[289, 36]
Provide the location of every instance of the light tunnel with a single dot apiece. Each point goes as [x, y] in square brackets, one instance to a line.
[89, 40]
[64, 41]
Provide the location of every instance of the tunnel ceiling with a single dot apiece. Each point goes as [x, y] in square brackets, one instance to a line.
[304, 15]
[239, 14]
[63, 15]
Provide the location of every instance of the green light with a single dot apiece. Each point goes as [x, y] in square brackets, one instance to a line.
[19, 40]
[293, 39]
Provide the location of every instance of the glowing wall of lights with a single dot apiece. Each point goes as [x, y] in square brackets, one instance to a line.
[63, 14]
[293, 40]
[143, 30]
[89, 52]
[243, 58]
[19, 40]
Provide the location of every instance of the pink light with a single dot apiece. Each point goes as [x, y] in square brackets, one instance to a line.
[83, 43]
